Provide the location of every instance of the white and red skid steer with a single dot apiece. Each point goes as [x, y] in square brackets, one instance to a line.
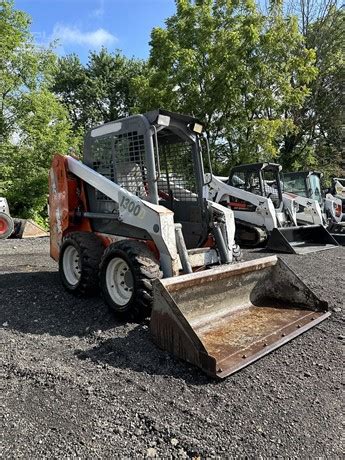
[130, 219]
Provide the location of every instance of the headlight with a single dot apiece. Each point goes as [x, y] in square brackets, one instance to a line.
[197, 128]
[163, 120]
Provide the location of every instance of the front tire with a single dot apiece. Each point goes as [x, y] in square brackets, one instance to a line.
[127, 271]
[80, 257]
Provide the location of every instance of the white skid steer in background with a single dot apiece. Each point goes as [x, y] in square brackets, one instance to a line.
[334, 202]
[17, 228]
[264, 214]
[306, 185]
[131, 216]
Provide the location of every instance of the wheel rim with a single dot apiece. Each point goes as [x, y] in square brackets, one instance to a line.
[71, 265]
[3, 226]
[119, 281]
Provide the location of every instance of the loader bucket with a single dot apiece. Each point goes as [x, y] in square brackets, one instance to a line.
[300, 240]
[25, 228]
[225, 318]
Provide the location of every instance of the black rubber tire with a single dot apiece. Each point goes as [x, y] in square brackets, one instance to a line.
[8, 222]
[90, 250]
[144, 268]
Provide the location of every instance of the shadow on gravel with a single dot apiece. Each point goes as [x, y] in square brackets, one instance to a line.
[136, 351]
[36, 303]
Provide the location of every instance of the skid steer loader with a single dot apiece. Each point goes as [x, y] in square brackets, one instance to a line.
[131, 214]
[17, 228]
[264, 214]
[306, 185]
[334, 202]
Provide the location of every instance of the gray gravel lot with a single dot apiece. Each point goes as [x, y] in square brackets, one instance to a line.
[77, 383]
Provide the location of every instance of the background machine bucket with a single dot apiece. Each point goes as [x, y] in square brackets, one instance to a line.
[26, 228]
[340, 238]
[300, 240]
[224, 318]
[337, 230]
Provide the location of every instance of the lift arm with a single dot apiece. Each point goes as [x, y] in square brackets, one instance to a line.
[156, 220]
[264, 214]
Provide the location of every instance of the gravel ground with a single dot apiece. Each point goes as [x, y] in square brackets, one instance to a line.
[78, 384]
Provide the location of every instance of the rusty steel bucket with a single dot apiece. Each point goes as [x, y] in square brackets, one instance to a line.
[225, 318]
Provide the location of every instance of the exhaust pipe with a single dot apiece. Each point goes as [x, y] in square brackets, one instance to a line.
[225, 318]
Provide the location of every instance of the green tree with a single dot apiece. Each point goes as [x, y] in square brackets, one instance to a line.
[100, 91]
[33, 123]
[318, 141]
[240, 71]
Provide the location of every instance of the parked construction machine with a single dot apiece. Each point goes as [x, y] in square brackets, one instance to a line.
[131, 217]
[334, 202]
[264, 214]
[6, 221]
[17, 228]
[306, 185]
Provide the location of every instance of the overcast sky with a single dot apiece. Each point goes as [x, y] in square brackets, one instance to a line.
[83, 25]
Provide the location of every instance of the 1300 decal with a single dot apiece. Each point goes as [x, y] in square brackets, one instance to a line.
[131, 206]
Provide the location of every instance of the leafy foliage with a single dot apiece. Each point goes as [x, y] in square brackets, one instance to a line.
[33, 123]
[269, 86]
[319, 140]
[100, 91]
[239, 70]
[43, 129]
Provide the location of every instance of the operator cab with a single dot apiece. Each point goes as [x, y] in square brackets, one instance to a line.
[259, 178]
[304, 183]
[157, 157]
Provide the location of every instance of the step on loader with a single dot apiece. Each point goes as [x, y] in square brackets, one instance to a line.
[266, 215]
[131, 218]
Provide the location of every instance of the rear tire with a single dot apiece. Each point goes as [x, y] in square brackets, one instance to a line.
[6, 225]
[127, 271]
[79, 261]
